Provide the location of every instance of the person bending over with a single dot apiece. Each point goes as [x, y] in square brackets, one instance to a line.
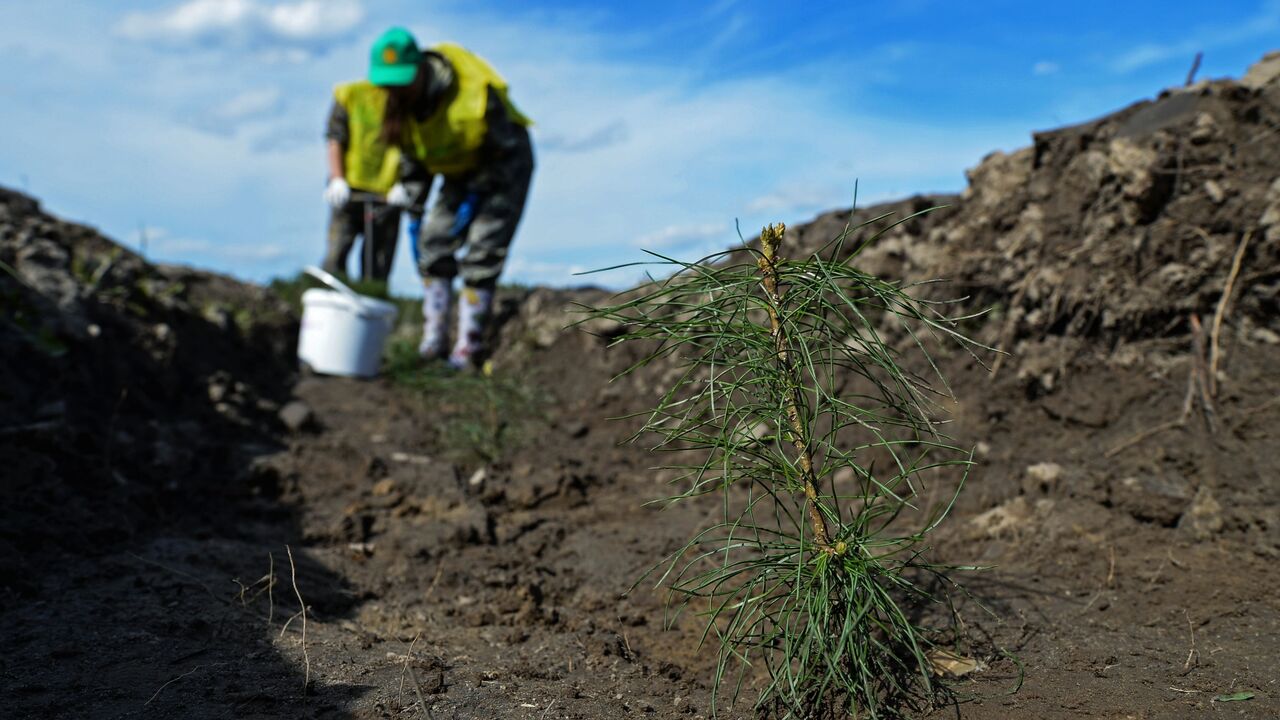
[362, 169]
[449, 114]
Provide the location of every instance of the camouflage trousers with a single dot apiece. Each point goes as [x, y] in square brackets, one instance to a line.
[348, 222]
[478, 212]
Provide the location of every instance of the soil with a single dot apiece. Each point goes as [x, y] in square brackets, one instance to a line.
[172, 485]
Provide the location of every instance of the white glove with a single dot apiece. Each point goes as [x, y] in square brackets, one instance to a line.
[337, 192]
[399, 196]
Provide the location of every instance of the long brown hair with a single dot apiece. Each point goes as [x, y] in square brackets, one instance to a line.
[400, 100]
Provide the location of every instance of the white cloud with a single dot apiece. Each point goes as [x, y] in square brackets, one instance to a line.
[249, 104]
[244, 22]
[1045, 67]
[158, 243]
[682, 235]
[537, 267]
[192, 19]
[799, 198]
[601, 137]
[313, 18]
[1149, 54]
[257, 107]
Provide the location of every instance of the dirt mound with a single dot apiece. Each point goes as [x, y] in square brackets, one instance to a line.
[1112, 231]
[119, 385]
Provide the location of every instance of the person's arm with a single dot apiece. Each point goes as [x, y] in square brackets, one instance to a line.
[337, 134]
[335, 153]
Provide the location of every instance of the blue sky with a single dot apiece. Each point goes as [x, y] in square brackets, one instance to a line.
[659, 124]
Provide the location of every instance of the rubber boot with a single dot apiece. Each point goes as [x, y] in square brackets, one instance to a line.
[436, 293]
[473, 312]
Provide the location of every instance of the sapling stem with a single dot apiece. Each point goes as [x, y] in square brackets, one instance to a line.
[770, 242]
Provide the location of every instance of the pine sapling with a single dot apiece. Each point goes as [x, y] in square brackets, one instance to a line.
[801, 398]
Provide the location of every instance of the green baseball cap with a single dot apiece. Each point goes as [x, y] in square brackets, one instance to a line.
[394, 58]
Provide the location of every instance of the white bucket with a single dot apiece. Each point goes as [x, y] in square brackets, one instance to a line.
[342, 331]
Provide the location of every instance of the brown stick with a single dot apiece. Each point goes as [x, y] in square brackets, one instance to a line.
[770, 240]
[408, 658]
[1191, 654]
[1157, 429]
[271, 584]
[171, 681]
[1187, 402]
[1223, 303]
[306, 657]
[1195, 67]
[1256, 408]
[1006, 332]
[1201, 370]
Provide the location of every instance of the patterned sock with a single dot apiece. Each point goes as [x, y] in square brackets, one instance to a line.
[436, 293]
[473, 311]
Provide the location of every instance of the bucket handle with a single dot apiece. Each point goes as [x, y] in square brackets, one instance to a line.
[360, 301]
[334, 283]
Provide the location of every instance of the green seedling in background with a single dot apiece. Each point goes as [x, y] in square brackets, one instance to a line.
[481, 418]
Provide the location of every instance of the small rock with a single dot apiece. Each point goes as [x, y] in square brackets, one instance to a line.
[1203, 517]
[217, 391]
[361, 548]
[410, 458]
[1041, 478]
[577, 429]
[1265, 335]
[477, 478]
[1002, 519]
[1204, 130]
[297, 416]
[384, 487]
[1271, 215]
[1215, 191]
[1263, 72]
[1151, 498]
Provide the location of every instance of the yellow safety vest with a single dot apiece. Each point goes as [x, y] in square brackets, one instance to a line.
[370, 164]
[448, 142]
